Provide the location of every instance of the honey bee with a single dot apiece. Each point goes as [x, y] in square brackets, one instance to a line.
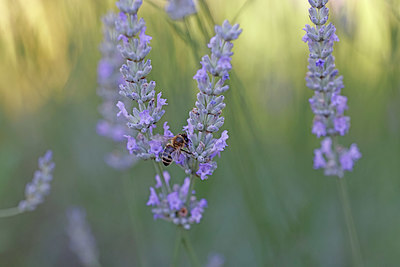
[175, 145]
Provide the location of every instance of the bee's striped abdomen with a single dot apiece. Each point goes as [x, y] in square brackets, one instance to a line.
[166, 155]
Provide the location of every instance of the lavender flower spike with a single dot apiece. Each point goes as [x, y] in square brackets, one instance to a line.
[174, 206]
[178, 9]
[82, 241]
[327, 104]
[40, 185]
[109, 79]
[205, 118]
[143, 117]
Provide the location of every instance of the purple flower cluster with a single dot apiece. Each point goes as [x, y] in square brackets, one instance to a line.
[175, 204]
[142, 118]
[205, 119]
[178, 9]
[327, 104]
[109, 79]
[36, 190]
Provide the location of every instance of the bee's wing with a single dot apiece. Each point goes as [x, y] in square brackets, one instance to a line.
[164, 140]
[175, 155]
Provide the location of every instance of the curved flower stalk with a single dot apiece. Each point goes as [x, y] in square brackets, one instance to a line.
[109, 79]
[205, 118]
[175, 204]
[143, 117]
[327, 104]
[82, 242]
[178, 9]
[36, 190]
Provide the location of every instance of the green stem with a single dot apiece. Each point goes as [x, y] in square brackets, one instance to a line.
[158, 169]
[355, 246]
[9, 212]
[189, 249]
[175, 259]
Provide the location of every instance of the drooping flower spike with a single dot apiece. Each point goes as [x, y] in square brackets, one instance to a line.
[142, 118]
[205, 118]
[327, 104]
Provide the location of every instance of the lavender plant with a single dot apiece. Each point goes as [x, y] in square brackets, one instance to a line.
[82, 242]
[327, 104]
[36, 190]
[177, 204]
[109, 78]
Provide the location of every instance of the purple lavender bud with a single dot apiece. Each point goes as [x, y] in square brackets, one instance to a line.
[167, 177]
[185, 188]
[319, 161]
[319, 128]
[204, 170]
[156, 147]
[178, 9]
[153, 199]
[327, 104]
[342, 124]
[175, 203]
[36, 190]
[167, 132]
[228, 32]
[158, 181]
[346, 161]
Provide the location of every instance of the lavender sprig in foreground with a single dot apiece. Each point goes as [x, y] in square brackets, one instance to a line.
[205, 118]
[109, 79]
[327, 104]
[143, 117]
[36, 190]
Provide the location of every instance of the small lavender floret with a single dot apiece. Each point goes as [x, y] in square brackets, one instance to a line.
[143, 117]
[82, 242]
[36, 190]
[173, 205]
[178, 9]
[327, 104]
[109, 79]
[205, 119]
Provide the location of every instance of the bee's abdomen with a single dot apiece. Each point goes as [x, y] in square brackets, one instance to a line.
[166, 155]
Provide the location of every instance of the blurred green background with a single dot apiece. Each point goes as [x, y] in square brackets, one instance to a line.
[267, 206]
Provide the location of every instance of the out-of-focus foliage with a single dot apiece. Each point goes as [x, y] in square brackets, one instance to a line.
[267, 206]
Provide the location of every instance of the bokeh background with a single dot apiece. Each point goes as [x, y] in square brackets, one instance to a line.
[267, 206]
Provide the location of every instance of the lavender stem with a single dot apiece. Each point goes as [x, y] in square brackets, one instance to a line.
[355, 245]
[190, 250]
[4, 213]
